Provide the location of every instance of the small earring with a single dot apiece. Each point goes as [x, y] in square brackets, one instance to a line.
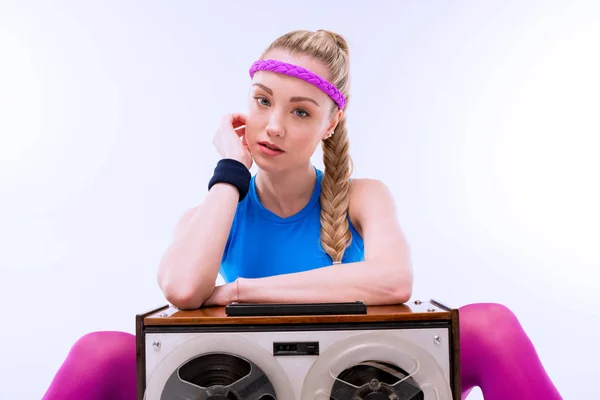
[330, 134]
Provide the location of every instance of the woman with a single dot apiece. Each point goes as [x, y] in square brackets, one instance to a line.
[293, 233]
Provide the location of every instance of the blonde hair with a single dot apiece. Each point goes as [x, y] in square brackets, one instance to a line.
[332, 50]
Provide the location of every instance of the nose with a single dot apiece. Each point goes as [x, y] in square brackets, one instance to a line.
[275, 125]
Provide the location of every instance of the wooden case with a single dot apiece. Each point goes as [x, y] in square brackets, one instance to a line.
[413, 314]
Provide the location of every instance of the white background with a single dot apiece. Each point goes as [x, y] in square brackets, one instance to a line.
[482, 117]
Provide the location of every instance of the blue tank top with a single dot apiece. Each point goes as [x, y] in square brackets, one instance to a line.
[263, 244]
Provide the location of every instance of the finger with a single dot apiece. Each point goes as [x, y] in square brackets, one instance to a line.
[240, 130]
[237, 119]
[232, 120]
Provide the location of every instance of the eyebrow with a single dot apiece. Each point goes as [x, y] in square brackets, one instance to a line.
[293, 99]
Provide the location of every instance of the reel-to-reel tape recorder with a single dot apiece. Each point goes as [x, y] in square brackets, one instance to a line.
[403, 352]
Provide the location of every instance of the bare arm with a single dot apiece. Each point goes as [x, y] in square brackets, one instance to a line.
[189, 268]
[336, 283]
[385, 277]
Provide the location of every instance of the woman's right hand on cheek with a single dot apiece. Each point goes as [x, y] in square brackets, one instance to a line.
[230, 142]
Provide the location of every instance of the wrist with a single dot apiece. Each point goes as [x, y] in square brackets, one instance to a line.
[237, 290]
[232, 172]
[226, 188]
[235, 157]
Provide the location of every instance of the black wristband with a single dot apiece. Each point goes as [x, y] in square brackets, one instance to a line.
[232, 172]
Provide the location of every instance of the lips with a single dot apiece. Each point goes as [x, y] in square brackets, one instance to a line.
[271, 146]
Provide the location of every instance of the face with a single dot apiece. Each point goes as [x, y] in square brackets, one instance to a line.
[288, 113]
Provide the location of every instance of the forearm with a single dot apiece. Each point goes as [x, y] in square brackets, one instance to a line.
[189, 268]
[366, 281]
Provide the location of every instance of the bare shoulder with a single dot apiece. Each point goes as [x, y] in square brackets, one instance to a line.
[365, 186]
[373, 210]
[369, 199]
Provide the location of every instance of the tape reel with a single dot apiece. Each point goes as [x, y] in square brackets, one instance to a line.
[241, 369]
[379, 365]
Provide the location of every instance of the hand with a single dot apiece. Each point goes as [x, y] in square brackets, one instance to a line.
[222, 295]
[230, 142]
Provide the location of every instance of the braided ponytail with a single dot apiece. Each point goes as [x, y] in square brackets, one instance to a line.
[335, 193]
[331, 49]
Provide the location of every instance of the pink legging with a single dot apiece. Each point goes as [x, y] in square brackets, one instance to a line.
[496, 356]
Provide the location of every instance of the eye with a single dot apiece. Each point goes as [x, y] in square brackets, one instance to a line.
[301, 113]
[262, 101]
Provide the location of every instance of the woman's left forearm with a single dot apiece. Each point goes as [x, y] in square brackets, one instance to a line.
[373, 282]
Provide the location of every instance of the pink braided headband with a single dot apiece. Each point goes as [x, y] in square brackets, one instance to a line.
[302, 73]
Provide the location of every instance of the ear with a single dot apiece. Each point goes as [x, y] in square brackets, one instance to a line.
[333, 124]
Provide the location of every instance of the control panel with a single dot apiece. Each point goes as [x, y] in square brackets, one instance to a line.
[296, 348]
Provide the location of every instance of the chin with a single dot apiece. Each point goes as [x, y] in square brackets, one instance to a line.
[268, 165]
[271, 165]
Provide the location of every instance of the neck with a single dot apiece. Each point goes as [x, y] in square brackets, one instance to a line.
[285, 193]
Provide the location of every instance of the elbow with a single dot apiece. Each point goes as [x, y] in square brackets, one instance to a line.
[402, 295]
[185, 298]
[182, 301]
[401, 289]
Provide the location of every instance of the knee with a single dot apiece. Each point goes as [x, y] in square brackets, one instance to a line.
[492, 323]
[105, 346]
